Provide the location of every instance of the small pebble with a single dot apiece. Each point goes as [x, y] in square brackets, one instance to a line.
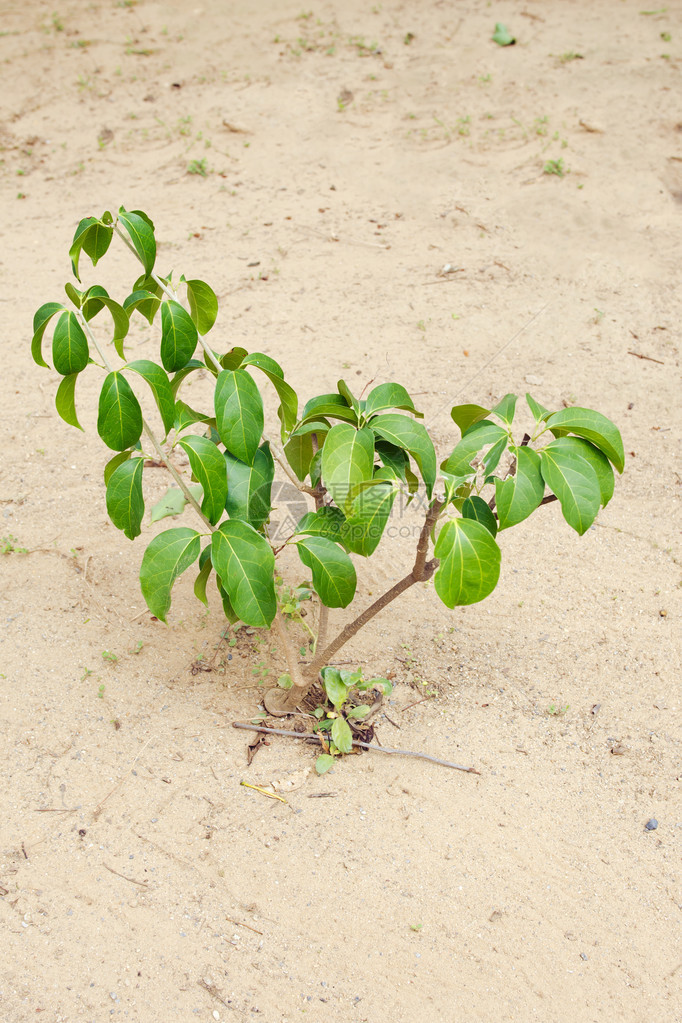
[651, 825]
[583, 957]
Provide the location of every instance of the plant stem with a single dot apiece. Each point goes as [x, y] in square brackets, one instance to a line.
[289, 652]
[421, 571]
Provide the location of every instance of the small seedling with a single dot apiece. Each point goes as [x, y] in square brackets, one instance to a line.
[555, 167]
[107, 655]
[199, 167]
[343, 713]
[502, 35]
[9, 545]
[346, 458]
[416, 927]
[86, 674]
[557, 709]
[100, 692]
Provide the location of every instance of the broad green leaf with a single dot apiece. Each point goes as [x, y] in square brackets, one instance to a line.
[173, 502]
[599, 463]
[333, 572]
[114, 463]
[376, 683]
[413, 438]
[469, 562]
[141, 233]
[119, 421]
[324, 762]
[466, 415]
[288, 409]
[186, 416]
[393, 458]
[125, 503]
[334, 686]
[94, 300]
[350, 399]
[342, 737]
[168, 555]
[40, 321]
[388, 396]
[70, 352]
[64, 400]
[245, 563]
[203, 305]
[178, 377]
[228, 610]
[299, 452]
[94, 237]
[249, 487]
[161, 389]
[333, 405]
[538, 411]
[594, 427]
[327, 521]
[347, 459]
[208, 467]
[367, 519]
[358, 713]
[519, 495]
[202, 578]
[179, 336]
[74, 294]
[146, 303]
[574, 481]
[474, 439]
[234, 358]
[239, 413]
[505, 408]
[316, 469]
[476, 509]
[502, 35]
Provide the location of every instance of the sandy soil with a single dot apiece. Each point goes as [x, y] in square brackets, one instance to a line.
[351, 151]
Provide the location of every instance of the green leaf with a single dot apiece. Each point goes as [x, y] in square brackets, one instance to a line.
[234, 358]
[40, 321]
[538, 411]
[70, 352]
[334, 686]
[469, 562]
[144, 302]
[342, 737]
[474, 439]
[161, 389]
[324, 762]
[168, 555]
[387, 396]
[502, 36]
[186, 416]
[347, 459]
[594, 427]
[599, 463]
[519, 495]
[202, 578]
[477, 510]
[327, 521]
[466, 415]
[141, 232]
[333, 405]
[125, 504]
[74, 294]
[299, 452]
[208, 466]
[574, 481]
[228, 610]
[95, 299]
[393, 458]
[358, 713]
[178, 377]
[350, 399]
[367, 519]
[173, 502]
[288, 408]
[94, 237]
[245, 563]
[119, 422]
[333, 572]
[239, 413]
[413, 438]
[114, 463]
[249, 487]
[64, 400]
[505, 409]
[179, 336]
[203, 305]
[376, 683]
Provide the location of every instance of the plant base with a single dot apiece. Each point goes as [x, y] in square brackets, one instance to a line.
[281, 702]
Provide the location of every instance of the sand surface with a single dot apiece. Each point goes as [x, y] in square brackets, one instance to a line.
[347, 154]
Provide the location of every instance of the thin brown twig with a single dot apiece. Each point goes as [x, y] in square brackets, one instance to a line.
[132, 880]
[363, 745]
[238, 923]
[648, 358]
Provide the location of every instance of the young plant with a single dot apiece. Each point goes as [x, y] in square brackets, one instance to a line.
[345, 716]
[345, 460]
